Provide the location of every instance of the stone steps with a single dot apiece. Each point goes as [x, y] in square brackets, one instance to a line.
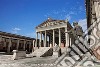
[42, 51]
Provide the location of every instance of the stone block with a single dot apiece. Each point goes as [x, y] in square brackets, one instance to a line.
[63, 49]
[18, 54]
[57, 53]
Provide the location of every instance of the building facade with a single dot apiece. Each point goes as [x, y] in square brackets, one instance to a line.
[10, 42]
[52, 32]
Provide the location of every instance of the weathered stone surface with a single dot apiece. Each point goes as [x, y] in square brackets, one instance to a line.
[6, 61]
[43, 51]
[63, 49]
[57, 51]
[18, 54]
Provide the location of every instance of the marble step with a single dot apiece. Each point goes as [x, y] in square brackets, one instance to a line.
[41, 51]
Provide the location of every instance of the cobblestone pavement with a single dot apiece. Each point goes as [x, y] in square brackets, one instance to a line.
[6, 61]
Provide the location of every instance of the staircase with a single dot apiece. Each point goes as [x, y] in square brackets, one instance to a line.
[43, 51]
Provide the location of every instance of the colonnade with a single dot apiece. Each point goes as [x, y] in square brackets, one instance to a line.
[8, 42]
[45, 36]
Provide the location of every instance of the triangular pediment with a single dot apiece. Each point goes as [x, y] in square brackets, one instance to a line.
[50, 22]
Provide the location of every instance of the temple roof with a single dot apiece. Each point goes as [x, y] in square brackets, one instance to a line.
[51, 22]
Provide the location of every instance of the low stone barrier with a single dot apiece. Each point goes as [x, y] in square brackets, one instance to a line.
[18, 54]
[57, 52]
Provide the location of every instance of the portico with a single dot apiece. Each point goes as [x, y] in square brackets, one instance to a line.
[52, 32]
[10, 42]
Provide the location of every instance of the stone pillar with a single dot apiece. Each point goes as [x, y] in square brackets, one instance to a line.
[29, 46]
[9, 45]
[70, 41]
[18, 44]
[53, 38]
[33, 45]
[5, 42]
[36, 39]
[45, 42]
[40, 43]
[0, 38]
[48, 41]
[59, 37]
[66, 37]
[24, 44]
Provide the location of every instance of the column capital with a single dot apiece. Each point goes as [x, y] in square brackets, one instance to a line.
[40, 31]
[66, 29]
[10, 39]
[53, 29]
[36, 32]
[18, 39]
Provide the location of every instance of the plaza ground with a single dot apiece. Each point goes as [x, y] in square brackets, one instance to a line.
[6, 61]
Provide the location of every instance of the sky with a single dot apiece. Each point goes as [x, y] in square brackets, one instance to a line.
[22, 16]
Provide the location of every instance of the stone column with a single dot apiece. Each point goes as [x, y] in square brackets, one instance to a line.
[18, 44]
[36, 39]
[48, 41]
[0, 38]
[29, 46]
[5, 42]
[70, 41]
[53, 38]
[43, 39]
[40, 43]
[66, 37]
[9, 45]
[45, 42]
[33, 45]
[24, 44]
[59, 37]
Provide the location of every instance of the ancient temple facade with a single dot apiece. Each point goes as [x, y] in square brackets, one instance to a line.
[52, 32]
